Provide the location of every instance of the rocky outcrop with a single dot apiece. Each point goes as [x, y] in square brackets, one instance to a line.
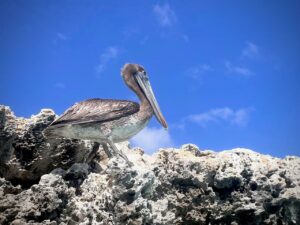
[25, 155]
[173, 186]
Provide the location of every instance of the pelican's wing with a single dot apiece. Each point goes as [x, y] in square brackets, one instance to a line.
[97, 110]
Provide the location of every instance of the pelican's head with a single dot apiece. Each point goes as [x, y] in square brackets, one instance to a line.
[136, 77]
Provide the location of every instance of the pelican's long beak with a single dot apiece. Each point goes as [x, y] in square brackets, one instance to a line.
[145, 85]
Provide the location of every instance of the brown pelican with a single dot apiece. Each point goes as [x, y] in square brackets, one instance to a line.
[108, 121]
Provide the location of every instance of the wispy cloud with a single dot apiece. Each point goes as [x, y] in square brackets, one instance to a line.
[185, 37]
[61, 36]
[237, 117]
[151, 139]
[244, 71]
[130, 32]
[238, 67]
[144, 40]
[109, 54]
[196, 72]
[59, 85]
[165, 15]
[251, 50]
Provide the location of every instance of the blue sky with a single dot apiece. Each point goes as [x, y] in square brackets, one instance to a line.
[226, 74]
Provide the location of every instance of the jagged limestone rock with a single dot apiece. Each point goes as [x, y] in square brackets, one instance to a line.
[173, 186]
[25, 155]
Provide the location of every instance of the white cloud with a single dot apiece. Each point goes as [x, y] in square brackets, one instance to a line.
[251, 50]
[165, 15]
[109, 54]
[197, 71]
[238, 117]
[244, 71]
[241, 117]
[151, 139]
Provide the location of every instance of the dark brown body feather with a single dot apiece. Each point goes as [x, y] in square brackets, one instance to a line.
[97, 110]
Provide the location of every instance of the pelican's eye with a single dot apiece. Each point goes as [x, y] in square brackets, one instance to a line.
[145, 75]
[141, 74]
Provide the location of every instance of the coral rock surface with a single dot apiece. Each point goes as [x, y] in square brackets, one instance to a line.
[52, 182]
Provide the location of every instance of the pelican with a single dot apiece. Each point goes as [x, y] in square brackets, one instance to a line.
[109, 121]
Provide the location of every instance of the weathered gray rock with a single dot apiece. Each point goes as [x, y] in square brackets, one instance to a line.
[173, 186]
[25, 155]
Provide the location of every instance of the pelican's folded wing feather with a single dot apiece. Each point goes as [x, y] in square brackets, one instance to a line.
[97, 110]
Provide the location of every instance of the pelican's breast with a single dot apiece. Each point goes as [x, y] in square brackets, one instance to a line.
[125, 128]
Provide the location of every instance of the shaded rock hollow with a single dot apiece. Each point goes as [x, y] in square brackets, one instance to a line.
[55, 182]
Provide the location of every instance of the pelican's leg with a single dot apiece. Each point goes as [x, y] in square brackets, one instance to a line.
[106, 150]
[118, 152]
[93, 153]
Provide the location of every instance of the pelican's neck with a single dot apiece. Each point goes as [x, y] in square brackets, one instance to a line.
[145, 106]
